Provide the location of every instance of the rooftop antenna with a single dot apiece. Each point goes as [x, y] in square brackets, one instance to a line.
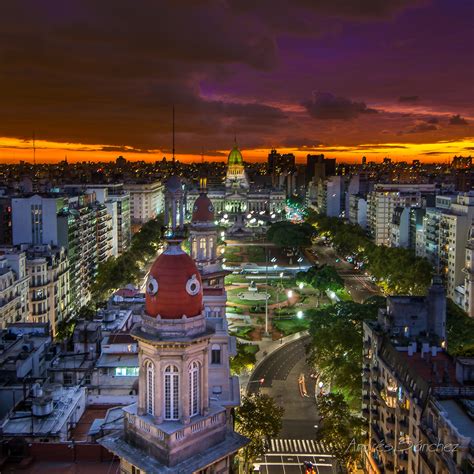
[173, 134]
[34, 149]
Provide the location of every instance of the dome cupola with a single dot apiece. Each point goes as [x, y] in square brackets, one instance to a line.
[203, 210]
[174, 286]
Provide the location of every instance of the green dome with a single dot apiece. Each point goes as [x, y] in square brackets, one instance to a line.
[235, 157]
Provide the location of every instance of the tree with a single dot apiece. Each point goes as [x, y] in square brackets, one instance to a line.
[340, 429]
[245, 358]
[336, 344]
[321, 278]
[258, 418]
[117, 272]
[288, 235]
[397, 270]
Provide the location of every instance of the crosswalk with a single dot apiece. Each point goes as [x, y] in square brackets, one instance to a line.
[298, 446]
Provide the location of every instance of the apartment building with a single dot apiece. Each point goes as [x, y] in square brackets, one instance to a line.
[49, 289]
[382, 201]
[117, 202]
[454, 226]
[146, 200]
[416, 398]
[14, 283]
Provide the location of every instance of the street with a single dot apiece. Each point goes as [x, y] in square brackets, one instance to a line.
[357, 284]
[286, 377]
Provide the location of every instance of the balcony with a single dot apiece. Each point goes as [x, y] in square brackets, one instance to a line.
[429, 465]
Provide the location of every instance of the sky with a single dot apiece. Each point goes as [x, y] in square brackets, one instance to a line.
[92, 80]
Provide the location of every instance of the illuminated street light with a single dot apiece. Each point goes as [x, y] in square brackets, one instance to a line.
[299, 314]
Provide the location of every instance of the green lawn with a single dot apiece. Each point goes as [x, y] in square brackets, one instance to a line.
[243, 332]
[232, 296]
[255, 253]
[290, 326]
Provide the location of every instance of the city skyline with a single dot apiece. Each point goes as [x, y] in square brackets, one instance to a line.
[92, 82]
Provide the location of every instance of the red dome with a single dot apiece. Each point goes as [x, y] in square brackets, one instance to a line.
[203, 210]
[174, 286]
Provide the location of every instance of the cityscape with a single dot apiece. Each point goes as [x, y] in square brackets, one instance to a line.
[237, 237]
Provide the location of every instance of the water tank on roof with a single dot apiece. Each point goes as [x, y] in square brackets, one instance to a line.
[42, 406]
[110, 317]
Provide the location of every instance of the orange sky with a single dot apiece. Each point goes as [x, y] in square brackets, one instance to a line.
[14, 150]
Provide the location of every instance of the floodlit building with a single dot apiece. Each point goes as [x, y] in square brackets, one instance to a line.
[239, 197]
[182, 420]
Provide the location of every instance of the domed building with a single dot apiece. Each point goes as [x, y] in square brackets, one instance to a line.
[238, 197]
[182, 421]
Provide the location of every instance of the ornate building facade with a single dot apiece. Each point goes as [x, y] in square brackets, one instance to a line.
[238, 195]
[183, 420]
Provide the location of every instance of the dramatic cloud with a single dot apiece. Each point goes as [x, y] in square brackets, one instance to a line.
[107, 73]
[457, 120]
[421, 127]
[326, 106]
[408, 98]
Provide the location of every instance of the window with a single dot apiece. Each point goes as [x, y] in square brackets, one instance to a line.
[126, 371]
[67, 379]
[150, 388]
[194, 389]
[135, 470]
[171, 393]
[216, 354]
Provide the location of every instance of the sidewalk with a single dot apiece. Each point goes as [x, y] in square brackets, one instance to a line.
[266, 347]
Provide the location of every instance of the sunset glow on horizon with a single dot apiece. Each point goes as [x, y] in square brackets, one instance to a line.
[15, 150]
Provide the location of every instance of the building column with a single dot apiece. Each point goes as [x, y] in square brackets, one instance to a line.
[205, 382]
[184, 387]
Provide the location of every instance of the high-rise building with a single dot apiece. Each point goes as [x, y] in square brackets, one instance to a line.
[49, 288]
[318, 167]
[14, 283]
[5, 220]
[282, 170]
[117, 202]
[469, 275]
[146, 200]
[77, 222]
[382, 202]
[454, 226]
[416, 398]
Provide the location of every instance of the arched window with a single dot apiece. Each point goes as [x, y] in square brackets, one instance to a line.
[210, 253]
[215, 354]
[150, 388]
[194, 389]
[171, 393]
[194, 248]
[202, 248]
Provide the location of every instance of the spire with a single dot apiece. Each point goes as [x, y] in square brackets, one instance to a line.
[173, 134]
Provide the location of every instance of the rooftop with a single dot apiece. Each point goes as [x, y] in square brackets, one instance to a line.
[22, 423]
